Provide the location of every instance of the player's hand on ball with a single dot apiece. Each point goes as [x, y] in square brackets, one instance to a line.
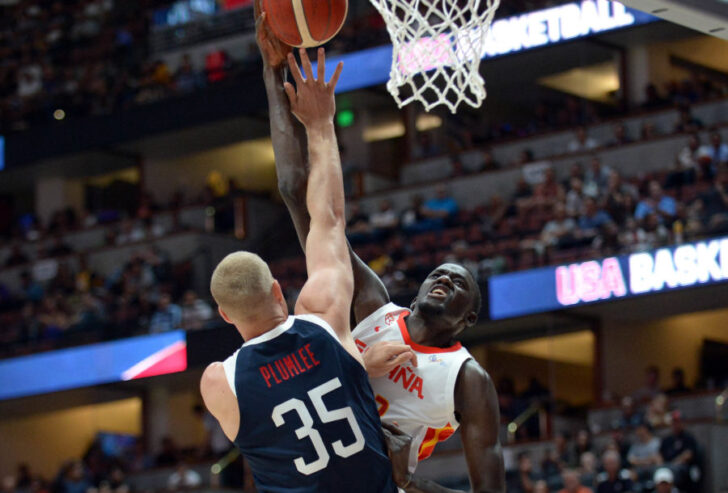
[274, 51]
[312, 100]
[398, 447]
[385, 356]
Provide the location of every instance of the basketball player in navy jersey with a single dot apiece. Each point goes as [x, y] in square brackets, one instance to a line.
[295, 398]
[448, 302]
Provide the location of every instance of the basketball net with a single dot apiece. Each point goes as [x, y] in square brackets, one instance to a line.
[437, 47]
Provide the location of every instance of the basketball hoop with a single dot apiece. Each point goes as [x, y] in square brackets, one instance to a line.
[437, 47]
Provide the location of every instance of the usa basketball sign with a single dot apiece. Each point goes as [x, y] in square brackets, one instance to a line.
[553, 288]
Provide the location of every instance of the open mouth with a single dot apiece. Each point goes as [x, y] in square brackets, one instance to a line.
[439, 292]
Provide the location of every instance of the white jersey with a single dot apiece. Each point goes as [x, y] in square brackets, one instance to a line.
[420, 400]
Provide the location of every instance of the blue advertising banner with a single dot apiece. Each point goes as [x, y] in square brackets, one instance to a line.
[565, 286]
[509, 35]
[126, 359]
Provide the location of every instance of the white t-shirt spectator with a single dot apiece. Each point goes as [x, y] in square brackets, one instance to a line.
[640, 450]
[383, 219]
[184, 478]
[554, 229]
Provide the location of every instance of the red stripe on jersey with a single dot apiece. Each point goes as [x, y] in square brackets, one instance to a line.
[417, 347]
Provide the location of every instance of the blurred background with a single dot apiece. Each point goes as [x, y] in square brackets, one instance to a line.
[589, 197]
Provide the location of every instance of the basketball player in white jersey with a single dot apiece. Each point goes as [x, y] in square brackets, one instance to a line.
[432, 387]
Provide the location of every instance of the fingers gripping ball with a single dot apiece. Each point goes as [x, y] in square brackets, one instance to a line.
[305, 23]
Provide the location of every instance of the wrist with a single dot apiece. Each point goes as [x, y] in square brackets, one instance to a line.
[320, 127]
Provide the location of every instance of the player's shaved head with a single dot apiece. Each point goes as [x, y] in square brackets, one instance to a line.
[241, 285]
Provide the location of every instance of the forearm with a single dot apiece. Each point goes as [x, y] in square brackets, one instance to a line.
[289, 147]
[325, 192]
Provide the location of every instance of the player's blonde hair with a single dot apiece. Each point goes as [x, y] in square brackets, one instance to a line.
[241, 285]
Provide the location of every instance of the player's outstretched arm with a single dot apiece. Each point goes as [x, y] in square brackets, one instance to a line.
[476, 402]
[330, 285]
[289, 147]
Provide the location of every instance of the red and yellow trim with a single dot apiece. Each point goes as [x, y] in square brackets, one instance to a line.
[432, 438]
[417, 347]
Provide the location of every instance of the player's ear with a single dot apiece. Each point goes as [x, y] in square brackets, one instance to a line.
[412, 305]
[277, 292]
[471, 318]
[224, 315]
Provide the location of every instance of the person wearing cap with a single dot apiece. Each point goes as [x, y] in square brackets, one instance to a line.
[664, 481]
[679, 450]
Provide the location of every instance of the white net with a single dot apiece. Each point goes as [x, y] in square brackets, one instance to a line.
[438, 45]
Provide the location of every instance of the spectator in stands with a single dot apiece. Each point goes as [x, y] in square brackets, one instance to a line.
[582, 444]
[74, 481]
[186, 79]
[385, 220]
[620, 135]
[551, 465]
[688, 155]
[658, 202]
[167, 317]
[664, 482]
[524, 157]
[716, 151]
[678, 383]
[549, 191]
[184, 478]
[559, 232]
[656, 233]
[657, 414]
[596, 178]
[59, 248]
[614, 479]
[644, 454]
[426, 147]
[357, 224]
[440, 209]
[588, 469]
[522, 480]
[653, 99]
[169, 455]
[413, 216]
[488, 162]
[679, 451]
[507, 398]
[712, 205]
[686, 122]
[575, 197]
[572, 484]
[592, 219]
[129, 232]
[648, 131]
[564, 452]
[581, 142]
[16, 256]
[651, 387]
[195, 312]
[618, 198]
[540, 486]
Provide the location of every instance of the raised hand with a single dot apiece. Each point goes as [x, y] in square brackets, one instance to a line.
[312, 100]
[274, 51]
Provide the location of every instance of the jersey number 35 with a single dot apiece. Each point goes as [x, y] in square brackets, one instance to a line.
[308, 431]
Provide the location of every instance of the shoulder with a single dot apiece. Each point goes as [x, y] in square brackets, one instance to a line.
[474, 388]
[212, 379]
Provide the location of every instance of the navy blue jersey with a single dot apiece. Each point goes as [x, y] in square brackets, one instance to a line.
[308, 419]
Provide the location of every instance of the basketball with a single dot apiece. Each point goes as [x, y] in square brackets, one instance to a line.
[305, 23]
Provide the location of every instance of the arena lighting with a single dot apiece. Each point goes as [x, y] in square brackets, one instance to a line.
[554, 288]
[345, 118]
[59, 114]
[510, 35]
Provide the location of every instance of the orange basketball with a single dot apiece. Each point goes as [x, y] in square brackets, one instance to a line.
[305, 23]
